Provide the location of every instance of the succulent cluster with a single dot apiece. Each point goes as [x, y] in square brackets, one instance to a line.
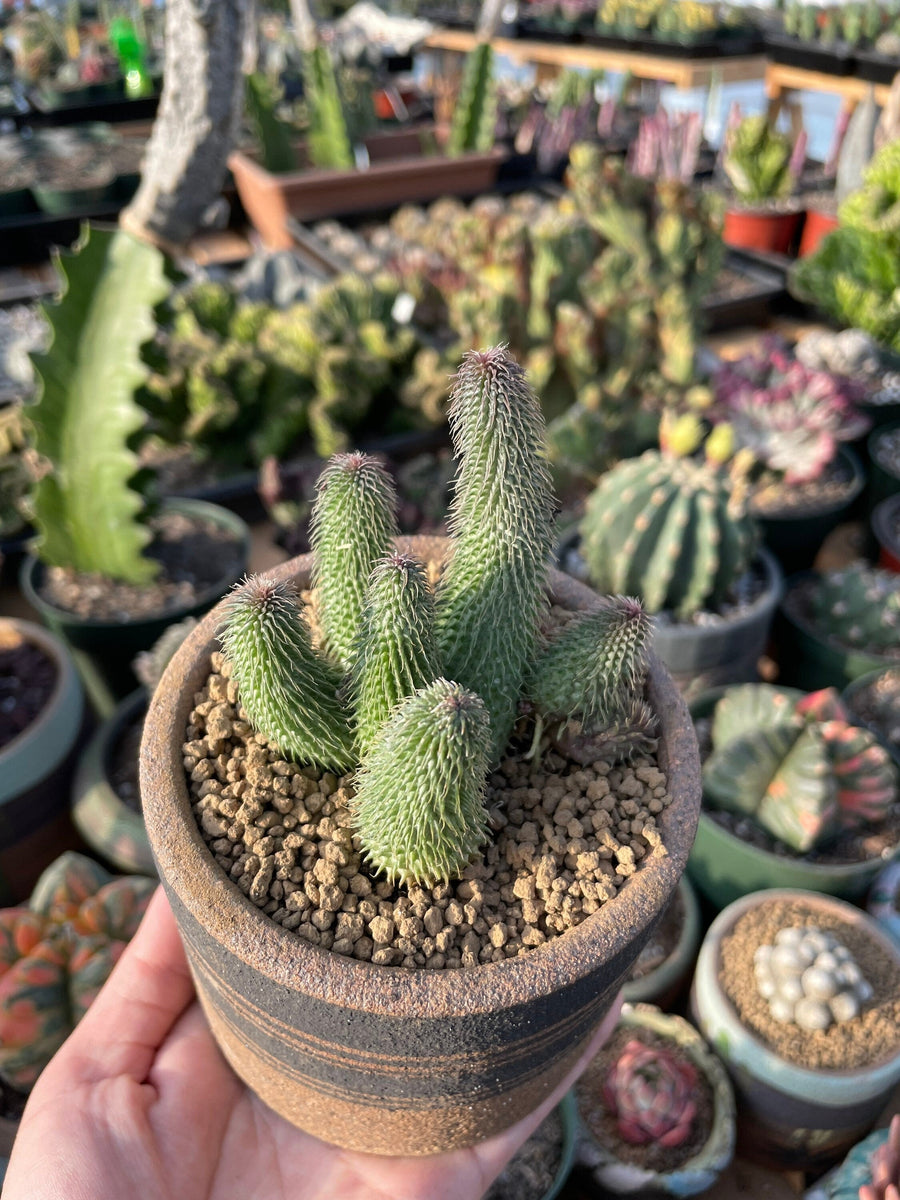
[669, 20]
[759, 162]
[56, 954]
[858, 23]
[651, 1092]
[859, 607]
[667, 147]
[788, 416]
[810, 979]
[799, 768]
[423, 687]
[670, 530]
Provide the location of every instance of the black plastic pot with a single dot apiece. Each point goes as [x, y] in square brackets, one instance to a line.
[875, 67]
[111, 644]
[16, 202]
[836, 59]
[883, 482]
[795, 540]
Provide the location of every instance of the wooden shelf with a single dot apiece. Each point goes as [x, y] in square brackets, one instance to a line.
[685, 73]
[782, 79]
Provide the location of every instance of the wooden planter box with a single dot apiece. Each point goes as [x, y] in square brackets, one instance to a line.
[399, 173]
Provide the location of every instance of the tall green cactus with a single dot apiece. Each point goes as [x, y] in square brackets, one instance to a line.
[353, 525]
[87, 513]
[667, 530]
[419, 807]
[475, 114]
[328, 142]
[491, 598]
[273, 135]
[397, 652]
[288, 692]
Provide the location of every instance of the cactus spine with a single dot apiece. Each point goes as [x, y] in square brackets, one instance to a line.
[397, 652]
[288, 692]
[353, 525]
[492, 596]
[475, 114]
[419, 807]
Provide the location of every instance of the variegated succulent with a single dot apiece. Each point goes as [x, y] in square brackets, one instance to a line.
[650, 1090]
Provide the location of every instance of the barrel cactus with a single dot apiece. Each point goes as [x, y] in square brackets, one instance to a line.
[670, 530]
[56, 954]
[799, 768]
[860, 608]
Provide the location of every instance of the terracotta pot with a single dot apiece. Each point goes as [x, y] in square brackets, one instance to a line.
[269, 200]
[816, 226]
[771, 232]
[885, 520]
[35, 770]
[789, 1117]
[384, 1059]
[702, 1169]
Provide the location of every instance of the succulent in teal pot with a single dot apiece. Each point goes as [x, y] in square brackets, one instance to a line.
[871, 1171]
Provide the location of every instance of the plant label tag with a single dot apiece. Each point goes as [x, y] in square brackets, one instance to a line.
[404, 307]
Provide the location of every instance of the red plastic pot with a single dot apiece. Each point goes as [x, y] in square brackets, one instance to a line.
[815, 228]
[772, 232]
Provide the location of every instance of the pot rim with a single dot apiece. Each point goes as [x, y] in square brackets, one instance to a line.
[828, 1086]
[189, 871]
[881, 514]
[878, 432]
[673, 968]
[857, 483]
[32, 568]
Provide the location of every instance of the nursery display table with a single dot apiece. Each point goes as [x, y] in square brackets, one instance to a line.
[551, 57]
[781, 80]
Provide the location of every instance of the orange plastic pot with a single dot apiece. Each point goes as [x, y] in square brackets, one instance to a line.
[772, 232]
[815, 228]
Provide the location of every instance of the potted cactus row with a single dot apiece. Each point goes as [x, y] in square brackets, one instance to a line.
[424, 788]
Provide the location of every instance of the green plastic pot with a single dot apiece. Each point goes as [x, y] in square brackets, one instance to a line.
[113, 644]
[852, 691]
[808, 659]
[665, 984]
[59, 202]
[35, 770]
[882, 482]
[111, 829]
[725, 868]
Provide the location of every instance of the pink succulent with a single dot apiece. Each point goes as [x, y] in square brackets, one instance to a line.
[650, 1091]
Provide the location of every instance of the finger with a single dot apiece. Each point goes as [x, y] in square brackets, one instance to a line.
[138, 1005]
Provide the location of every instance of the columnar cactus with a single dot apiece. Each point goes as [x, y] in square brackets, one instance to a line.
[492, 596]
[859, 607]
[397, 652]
[668, 530]
[57, 953]
[419, 805]
[329, 142]
[651, 1093]
[288, 692]
[353, 525]
[475, 112]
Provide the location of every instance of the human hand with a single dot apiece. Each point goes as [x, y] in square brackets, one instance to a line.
[140, 1102]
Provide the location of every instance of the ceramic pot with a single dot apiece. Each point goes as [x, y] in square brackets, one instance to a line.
[724, 867]
[663, 985]
[854, 1171]
[789, 1117]
[111, 829]
[377, 1058]
[816, 226]
[770, 232]
[35, 768]
[113, 644]
[701, 1171]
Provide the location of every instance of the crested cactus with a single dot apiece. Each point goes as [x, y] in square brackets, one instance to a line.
[397, 652]
[353, 525]
[650, 1090]
[475, 113]
[758, 161]
[288, 692]
[419, 807]
[491, 598]
[57, 953]
[799, 768]
[860, 608]
[668, 530]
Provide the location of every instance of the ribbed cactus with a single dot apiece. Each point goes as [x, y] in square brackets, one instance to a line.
[475, 113]
[651, 1092]
[57, 953]
[328, 140]
[419, 807]
[353, 525]
[491, 598]
[799, 768]
[288, 692]
[859, 607]
[668, 530]
[397, 652]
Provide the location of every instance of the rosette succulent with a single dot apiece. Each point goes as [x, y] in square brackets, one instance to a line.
[650, 1090]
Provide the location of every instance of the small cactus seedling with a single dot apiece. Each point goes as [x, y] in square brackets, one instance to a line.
[57, 953]
[859, 607]
[419, 804]
[651, 1092]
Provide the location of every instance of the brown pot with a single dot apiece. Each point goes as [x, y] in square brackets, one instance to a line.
[771, 232]
[386, 1059]
[405, 177]
[816, 226]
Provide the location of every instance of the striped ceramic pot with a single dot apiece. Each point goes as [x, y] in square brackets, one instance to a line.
[386, 1059]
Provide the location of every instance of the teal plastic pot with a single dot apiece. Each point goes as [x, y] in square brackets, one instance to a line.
[112, 830]
[113, 644]
[724, 867]
[854, 1171]
[852, 691]
[807, 658]
[883, 481]
[789, 1117]
[665, 984]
